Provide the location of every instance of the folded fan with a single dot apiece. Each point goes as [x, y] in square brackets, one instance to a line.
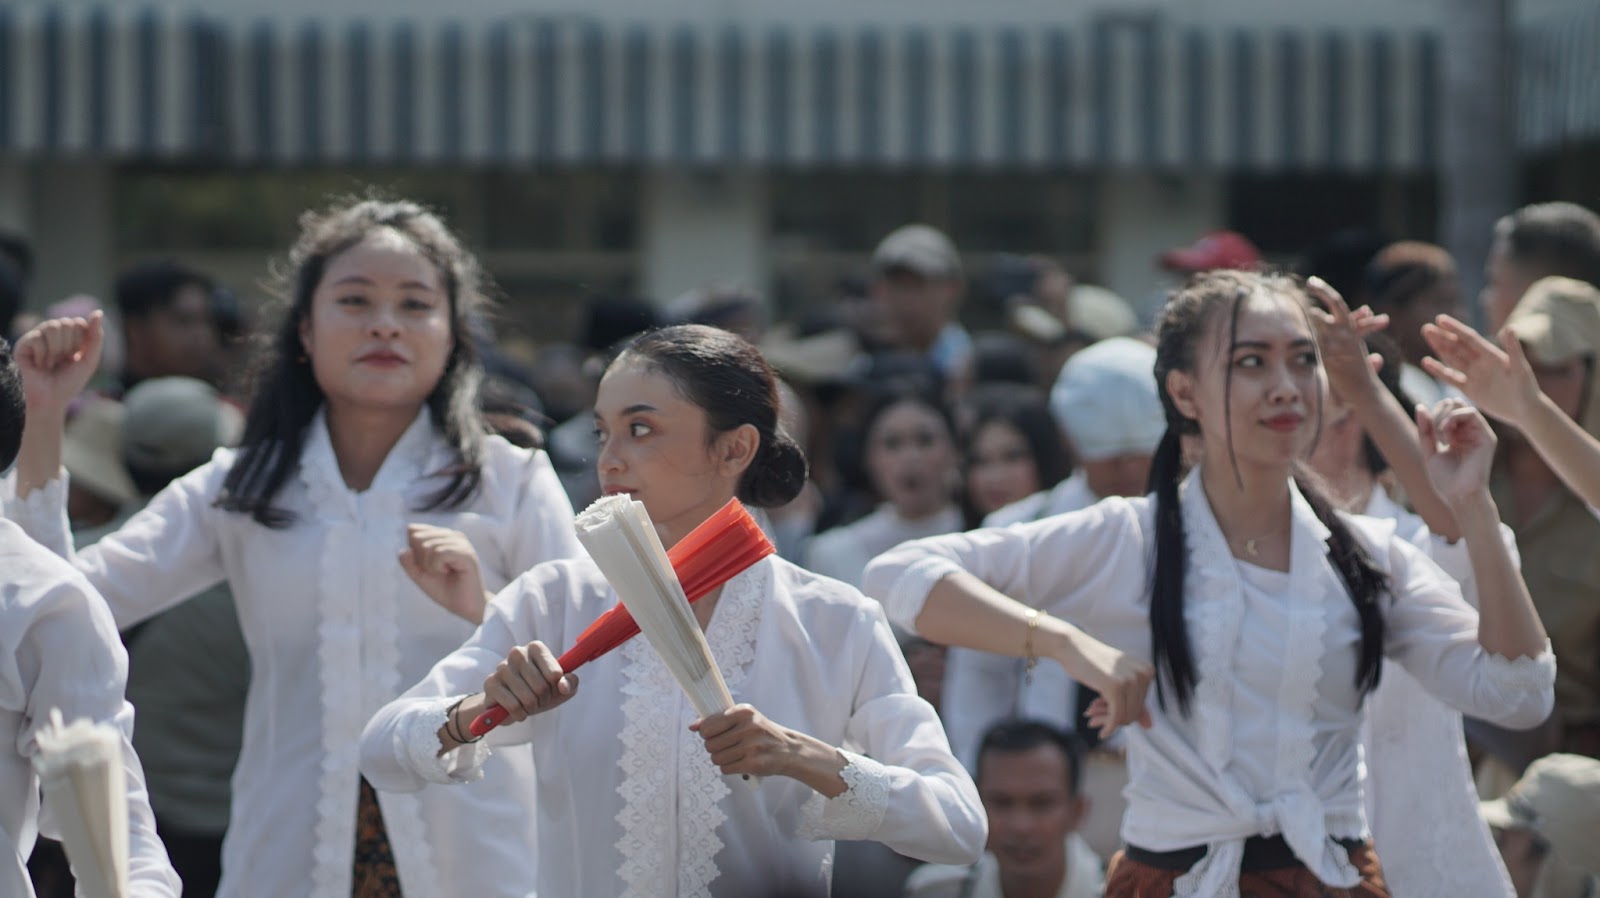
[618, 534]
[723, 546]
[83, 784]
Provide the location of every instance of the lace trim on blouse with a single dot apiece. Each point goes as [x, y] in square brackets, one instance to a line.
[657, 844]
[854, 814]
[358, 657]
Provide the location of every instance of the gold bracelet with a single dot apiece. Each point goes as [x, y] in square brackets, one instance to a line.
[1027, 644]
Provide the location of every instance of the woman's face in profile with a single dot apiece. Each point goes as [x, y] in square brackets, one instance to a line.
[655, 446]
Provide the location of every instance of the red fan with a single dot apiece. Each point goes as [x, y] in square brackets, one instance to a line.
[710, 555]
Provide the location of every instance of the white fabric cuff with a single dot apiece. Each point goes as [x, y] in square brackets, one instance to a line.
[43, 514]
[419, 743]
[1524, 673]
[910, 590]
[854, 814]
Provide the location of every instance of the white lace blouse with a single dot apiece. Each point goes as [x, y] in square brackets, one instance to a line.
[1417, 767]
[629, 802]
[59, 649]
[1272, 742]
[335, 630]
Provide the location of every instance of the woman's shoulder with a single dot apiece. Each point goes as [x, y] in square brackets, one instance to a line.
[1113, 517]
[580, 573]
[572, 583]
[814, 594]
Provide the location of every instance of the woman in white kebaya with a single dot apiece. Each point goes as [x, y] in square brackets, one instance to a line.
[636, 795]
[1413, 744]
[367, 417]
[1261, 614]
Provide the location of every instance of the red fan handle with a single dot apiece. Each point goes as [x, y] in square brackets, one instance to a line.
[488, 720]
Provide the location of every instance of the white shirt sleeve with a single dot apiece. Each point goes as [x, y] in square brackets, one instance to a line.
[1066, 563]
[161, 556]
[1433, 633]
[72, 659]
[980, 689]
[905, 788]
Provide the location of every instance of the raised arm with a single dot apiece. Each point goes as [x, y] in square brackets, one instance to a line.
[164, 554]
[56, 359]
[1460, 449]
[1499, 380]
[1340, 334]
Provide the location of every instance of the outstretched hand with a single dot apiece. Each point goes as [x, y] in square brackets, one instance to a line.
[57, 360]
[1459, 447]
[1498, 379]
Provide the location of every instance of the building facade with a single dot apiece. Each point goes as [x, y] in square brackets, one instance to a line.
[647, 148]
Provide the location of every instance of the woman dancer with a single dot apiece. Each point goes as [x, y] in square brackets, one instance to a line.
[1413, 744]
[1262, 615]
[632, 799]
[367, 417]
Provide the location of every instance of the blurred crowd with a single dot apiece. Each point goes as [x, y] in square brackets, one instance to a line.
[913, 426]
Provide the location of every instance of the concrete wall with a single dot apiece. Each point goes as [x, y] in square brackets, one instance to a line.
[64, 208]
[701, 228]
[1142, 215]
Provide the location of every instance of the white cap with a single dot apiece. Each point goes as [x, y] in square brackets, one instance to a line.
[1105, 400]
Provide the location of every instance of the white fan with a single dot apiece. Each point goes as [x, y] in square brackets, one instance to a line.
[83, 785]
[618, 533]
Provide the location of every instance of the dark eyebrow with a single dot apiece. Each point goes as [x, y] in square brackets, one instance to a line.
[631, 410]
[1261, 344]
[407, 285]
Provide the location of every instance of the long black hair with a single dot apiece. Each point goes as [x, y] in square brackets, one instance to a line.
[1186, 317]
[727, 377]
[287, 394]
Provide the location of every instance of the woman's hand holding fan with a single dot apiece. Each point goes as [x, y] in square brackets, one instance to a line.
[724, 545]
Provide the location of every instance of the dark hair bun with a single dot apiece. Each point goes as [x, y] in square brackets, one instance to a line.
[775, 476]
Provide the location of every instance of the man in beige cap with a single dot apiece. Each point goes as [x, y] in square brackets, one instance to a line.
[1548, 828]
[1558, 326]
[917, 288]
[98, 485]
